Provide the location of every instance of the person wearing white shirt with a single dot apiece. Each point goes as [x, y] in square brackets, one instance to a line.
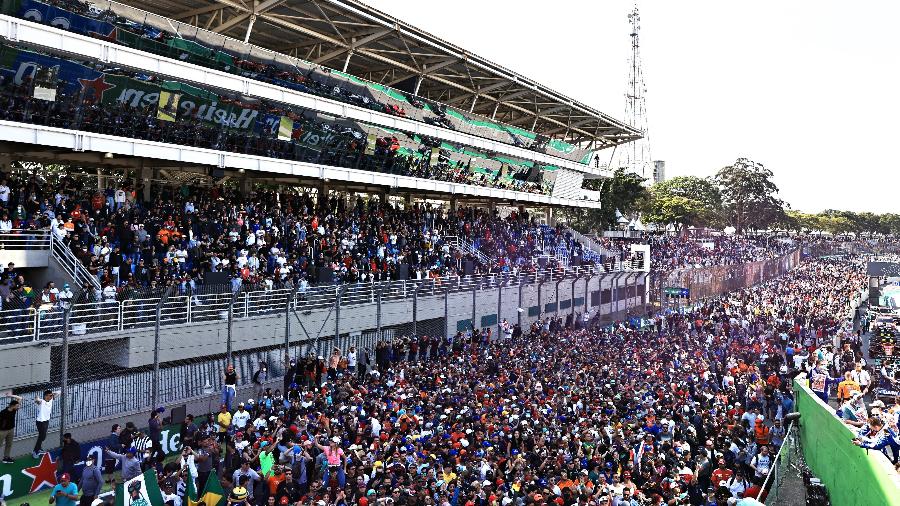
[120, 198]
[240, 418]
[4, 193]
[42, 419]
[59, 231]
[5, 224]
[862, 377]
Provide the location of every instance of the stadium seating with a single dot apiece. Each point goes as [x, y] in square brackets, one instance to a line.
[116, 102]
[120, 24]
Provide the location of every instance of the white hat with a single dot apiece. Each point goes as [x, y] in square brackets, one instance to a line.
[336, 439]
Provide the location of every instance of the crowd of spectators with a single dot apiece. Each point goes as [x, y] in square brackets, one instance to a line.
[92, 21]
[687, 410]
[337, 143]
[267, 238]
[684, 252]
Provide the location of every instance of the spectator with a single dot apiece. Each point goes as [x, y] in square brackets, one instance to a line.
[8, 427]
[65, 493]
[91, 482]
[42, 419]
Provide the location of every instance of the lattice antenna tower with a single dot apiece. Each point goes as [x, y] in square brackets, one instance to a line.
[635, 157]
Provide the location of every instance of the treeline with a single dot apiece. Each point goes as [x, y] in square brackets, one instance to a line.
[742, 195]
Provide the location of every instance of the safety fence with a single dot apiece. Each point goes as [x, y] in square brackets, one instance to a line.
[131, 391]
[206, 304]
[99, 353]
[715, 280]
[853, 475]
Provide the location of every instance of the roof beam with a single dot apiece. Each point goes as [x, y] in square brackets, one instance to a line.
[354, 45]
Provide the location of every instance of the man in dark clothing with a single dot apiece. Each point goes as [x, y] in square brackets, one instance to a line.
[69, 455]
[91, 481]
[155, 433]
[114, 444]
[8, 427]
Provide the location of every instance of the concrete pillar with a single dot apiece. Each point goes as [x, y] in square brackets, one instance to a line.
[549, 213]
[146, 177]
[454, 203]
[245, 186]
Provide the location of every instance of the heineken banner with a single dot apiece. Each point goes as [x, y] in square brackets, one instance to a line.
[28, 475]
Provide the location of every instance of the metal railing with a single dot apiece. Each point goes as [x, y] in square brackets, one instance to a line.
[788, 455]
[45, 321]
[70, 263]
[467, 247]
[19, 239]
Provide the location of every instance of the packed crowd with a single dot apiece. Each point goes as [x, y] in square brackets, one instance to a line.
[269, 240]
[93, 21]
[688, 410]
[310, 138]
[677, 252]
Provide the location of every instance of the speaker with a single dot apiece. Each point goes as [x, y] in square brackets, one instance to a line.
[542, 262]
[216, 278]
[403, 271]
[326, 275]
[178, 414]
[469, 268]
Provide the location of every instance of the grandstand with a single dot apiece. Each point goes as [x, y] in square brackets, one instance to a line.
[208, 192]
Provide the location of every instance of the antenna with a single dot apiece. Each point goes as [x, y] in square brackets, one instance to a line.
[635, 157]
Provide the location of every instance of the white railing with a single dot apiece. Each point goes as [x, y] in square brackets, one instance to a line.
[70, 263]
[467, 247]
[18, 239]
[45, 321]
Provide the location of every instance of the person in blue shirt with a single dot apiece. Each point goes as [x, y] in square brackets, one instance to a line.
[65, 493]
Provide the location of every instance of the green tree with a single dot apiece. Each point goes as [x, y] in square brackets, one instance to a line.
[749, 196]
[624, 191]
[684, 201]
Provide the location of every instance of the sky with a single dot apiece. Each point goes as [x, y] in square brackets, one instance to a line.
[810, 89]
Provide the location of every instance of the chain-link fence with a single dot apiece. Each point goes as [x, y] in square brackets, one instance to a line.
[115, 354]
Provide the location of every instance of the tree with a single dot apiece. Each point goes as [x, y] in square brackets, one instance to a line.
[624, 191]
[684, 200]
[749, 198]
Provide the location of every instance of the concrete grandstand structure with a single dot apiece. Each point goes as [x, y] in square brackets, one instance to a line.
[504, 140]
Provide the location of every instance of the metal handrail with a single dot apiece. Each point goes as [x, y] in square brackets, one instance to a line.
[22, 239]
[111, 315]
[71, 263]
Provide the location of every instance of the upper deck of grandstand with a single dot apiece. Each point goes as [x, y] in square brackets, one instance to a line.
[433, 82]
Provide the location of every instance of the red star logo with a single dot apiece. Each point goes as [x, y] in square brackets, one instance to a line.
[43, 474]
[98, 85]
[111, 36]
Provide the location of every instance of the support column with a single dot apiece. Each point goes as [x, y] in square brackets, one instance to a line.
[146, 180]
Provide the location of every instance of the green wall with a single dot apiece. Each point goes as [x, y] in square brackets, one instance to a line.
[853, 475]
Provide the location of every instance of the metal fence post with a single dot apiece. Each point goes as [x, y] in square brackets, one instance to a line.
[474, 305]
[337, 315]
[228, 342]
[521, 285]
[64, 380]
[415, 314]
[378, 313]
[154, 396]
[446, 312]
[287, 319]
[499, 309]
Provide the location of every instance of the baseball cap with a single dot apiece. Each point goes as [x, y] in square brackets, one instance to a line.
[64, 476]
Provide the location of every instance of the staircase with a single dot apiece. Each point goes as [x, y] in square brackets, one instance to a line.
[467, 247]
[63, 256]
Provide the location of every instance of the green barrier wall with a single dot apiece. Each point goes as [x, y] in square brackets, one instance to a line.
[853, 475]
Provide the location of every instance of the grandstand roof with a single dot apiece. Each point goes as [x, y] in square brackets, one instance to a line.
[351, 36]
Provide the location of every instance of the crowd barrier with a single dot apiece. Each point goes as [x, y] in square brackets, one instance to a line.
[853, 476]
[713, 281]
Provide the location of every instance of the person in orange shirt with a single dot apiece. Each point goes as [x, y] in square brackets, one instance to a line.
[846, 388]
[761, 432]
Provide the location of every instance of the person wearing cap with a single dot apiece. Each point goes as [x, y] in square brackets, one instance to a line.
[91, 482]
[240, 418]
[853, 412]
[128, 462]
[335, 460]
[8, 427]
[65, 493]
[224, 420]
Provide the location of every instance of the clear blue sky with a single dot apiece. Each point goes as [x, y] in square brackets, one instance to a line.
[808, 88]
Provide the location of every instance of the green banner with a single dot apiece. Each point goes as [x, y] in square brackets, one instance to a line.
[852, 475]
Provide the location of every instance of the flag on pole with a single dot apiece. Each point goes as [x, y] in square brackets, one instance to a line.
[142, 490]
[213, 494]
